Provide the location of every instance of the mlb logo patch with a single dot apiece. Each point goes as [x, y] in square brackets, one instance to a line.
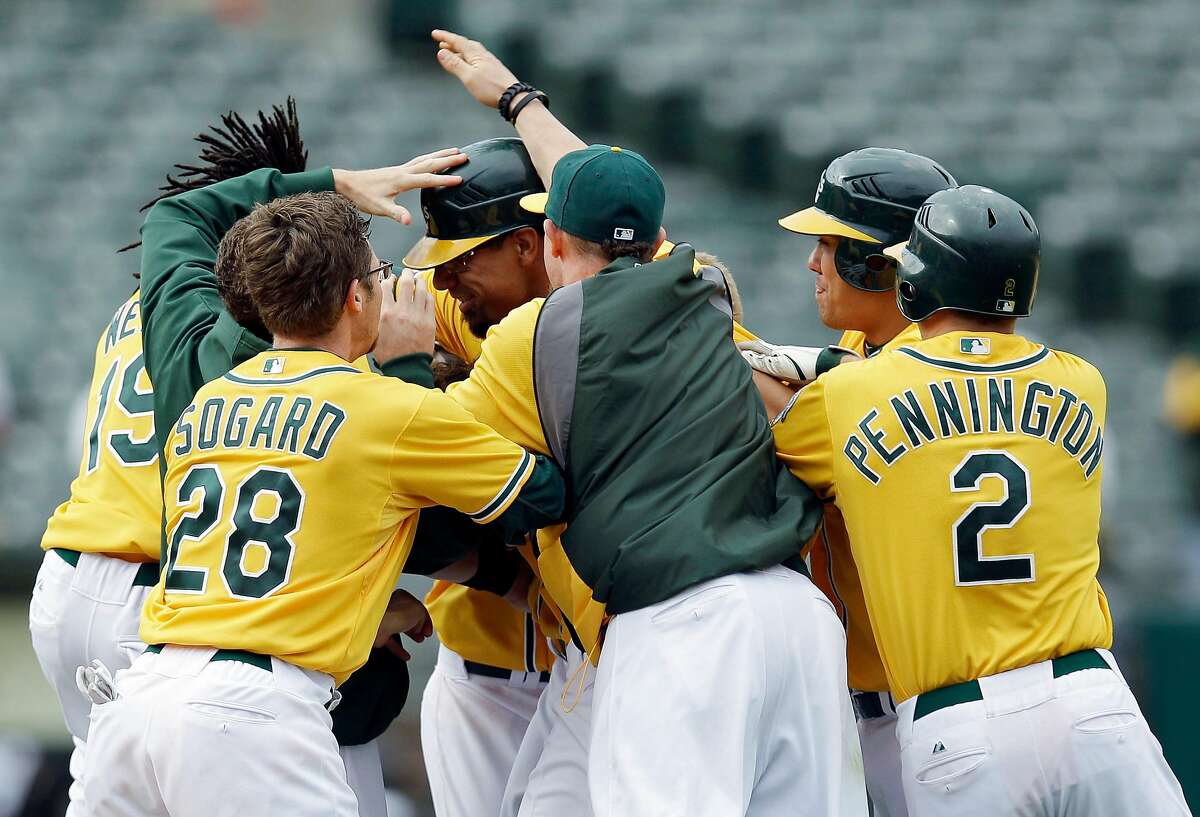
[1006, 306]
[273, 365]
[623, 234]
[975, 346]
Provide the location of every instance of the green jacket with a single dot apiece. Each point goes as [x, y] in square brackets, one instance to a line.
[651, 411]
[188, 335]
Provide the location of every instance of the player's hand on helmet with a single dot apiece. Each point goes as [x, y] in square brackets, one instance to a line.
[792, 364]
[405, 615]
[374, 191]
[480, 72]
[406, 319]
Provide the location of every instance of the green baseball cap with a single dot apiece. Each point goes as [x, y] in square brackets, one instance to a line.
[601, 193]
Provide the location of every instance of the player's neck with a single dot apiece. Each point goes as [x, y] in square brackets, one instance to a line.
[887, 324]
[950, 320]
[335, 342]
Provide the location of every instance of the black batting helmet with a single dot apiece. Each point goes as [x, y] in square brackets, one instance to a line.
[496, 175]
[869, 197]
[972, 249]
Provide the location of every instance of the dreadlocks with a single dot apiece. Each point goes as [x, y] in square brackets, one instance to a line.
[235, 149]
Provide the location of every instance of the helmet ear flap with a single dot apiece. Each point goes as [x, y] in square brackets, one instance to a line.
[856, 262]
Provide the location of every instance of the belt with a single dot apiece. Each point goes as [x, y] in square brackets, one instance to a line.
[146, 576]
[488, 671]
[869, 705]
[252, 658]
[968, 691]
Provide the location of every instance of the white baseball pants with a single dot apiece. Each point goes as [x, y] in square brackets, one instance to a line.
[881, 758]
[726, 700]
[471, 729]
[549, 773]
[1073, 746]
[190, 737]
[91, 610]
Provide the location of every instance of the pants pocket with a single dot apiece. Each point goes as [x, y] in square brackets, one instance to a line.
[951, 767]
[1099, 723]
[231, 711]
[691, 604]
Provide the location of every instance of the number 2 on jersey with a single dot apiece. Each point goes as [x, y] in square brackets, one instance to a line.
[971, 567]
[272, 531]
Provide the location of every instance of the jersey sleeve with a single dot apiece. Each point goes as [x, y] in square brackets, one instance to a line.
[453, 333]
[741, 334]
[803, 440]
[499, 393]
[444, 456]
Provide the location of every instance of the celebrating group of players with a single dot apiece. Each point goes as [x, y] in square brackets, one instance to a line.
[652, 598]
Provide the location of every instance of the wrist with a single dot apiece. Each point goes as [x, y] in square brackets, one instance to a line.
[343, 181]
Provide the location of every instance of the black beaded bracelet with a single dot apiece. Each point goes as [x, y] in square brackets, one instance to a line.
[506, 98]
[529, 97]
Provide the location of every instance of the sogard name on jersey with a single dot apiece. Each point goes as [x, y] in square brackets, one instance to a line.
[271, 422]
[953, 408]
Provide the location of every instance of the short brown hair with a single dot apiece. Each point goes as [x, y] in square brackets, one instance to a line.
[610, 249]
[230, 282]
[299, 255]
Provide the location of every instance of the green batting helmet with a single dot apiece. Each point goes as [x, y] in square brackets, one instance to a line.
[972, 249]
[869, 197]
[496, 175]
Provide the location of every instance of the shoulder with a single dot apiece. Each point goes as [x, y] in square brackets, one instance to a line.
[1087, 375]
[516, 328]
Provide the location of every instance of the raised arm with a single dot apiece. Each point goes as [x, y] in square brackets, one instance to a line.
[180, 303]
[486, 79]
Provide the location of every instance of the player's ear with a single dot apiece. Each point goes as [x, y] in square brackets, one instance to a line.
[525, 241]
[355, 297]
[555, 238]
[662, 236]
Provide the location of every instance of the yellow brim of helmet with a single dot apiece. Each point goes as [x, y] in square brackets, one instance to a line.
[431, 252]
[817, 222]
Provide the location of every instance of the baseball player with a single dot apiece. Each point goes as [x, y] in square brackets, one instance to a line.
[200, 323]
[547, 139]
[865, 202]
[291, 492]
[102, 544]
[992, 628]
[485, 257]
[652, 469]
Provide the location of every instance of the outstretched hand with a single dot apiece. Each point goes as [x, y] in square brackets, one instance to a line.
[374, 191]
[479, 70]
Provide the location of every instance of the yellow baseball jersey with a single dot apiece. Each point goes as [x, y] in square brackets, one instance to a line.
[477, 625]
[967, 468]
[115, 503]
[292, 491]
[833, 569]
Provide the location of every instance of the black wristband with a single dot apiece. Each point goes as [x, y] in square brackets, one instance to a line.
[506, 98]
[529, 97]
[498, 569]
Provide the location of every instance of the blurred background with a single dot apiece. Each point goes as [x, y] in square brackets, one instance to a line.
[1086, 111]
